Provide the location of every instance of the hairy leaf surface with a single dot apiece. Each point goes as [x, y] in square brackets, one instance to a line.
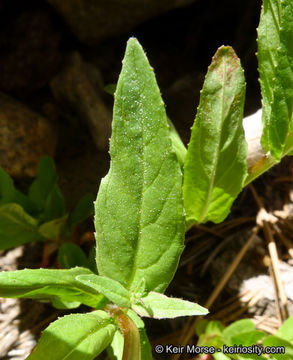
[75, 337]
[160, 306]
[112, 289]
[139, 211]
[48, 284]
[275, 57]
[215, 167]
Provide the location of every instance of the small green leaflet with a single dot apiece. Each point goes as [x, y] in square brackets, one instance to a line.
[239, 333]
[139, 209]
[49, 284]
[275, 58]
[51, 230]
[16, 226]
[242, 332]
[44, 182]
[71, 255]
[177, 144]
[75, 337]
[215, 167]
[160, 306]
[115, 350]
[45, 193]
[112, 289]
[83, 209]
[7, 190]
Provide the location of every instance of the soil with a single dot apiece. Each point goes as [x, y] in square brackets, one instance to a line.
[35, 44]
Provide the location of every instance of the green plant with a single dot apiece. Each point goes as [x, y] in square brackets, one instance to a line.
[139, 210]
[247, 342]
[41, 214]
[139, 231]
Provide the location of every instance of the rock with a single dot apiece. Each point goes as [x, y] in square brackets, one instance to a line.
[30, 54]
[93, 21]
[25, 136]
[76, 89]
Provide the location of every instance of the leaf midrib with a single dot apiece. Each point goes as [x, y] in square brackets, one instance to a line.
[139, 237]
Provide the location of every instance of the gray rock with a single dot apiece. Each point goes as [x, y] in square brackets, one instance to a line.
[25, 136]
[74, 90]
[92, 21]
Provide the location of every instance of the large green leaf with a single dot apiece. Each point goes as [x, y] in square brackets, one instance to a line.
[275, 57]
[75, 337]
[49, 284]
[16, 226]
[139, 211]
[215, 167]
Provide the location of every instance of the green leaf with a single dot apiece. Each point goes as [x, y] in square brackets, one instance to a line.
[83, 210]
[16, 227]
[238, 327]
[92, 260]
[243, 333]
[215, 167]
[75, 337]
[139, 211]
[275, 58]
[65, 305]
[71, 255]
[7, 190]
[54, 206]
[132, 345]
[146, 349]
[177, 144]
[52, 229]
[286, 330]
[280, 345]
[112, 289]
[115, 350]
[212, 336]
[110, 88]
[25, 202]
[200, 326]
[49, 284]
[8, 194]
[160, 306]
[44, 182]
